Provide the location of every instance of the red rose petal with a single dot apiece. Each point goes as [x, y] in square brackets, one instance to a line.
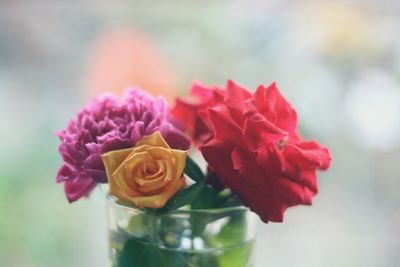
[225, 127]
[276, 108]
[309, 180]
[206, 94]
[297, 172]
[235, 95]
[259, 132]
[186, 113]
[291, 191]
[249, 172]
[194, 114]
[218, 156]
[309, 154]
[255, 149]
[266, 206]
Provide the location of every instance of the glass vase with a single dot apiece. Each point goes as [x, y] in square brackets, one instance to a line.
[181, 238]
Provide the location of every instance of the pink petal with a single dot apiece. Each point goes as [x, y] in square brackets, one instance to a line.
[77, 188]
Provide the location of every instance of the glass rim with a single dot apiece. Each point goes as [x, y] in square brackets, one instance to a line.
[112, 199]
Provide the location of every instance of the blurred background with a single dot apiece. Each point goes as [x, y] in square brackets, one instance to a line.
[338, 62]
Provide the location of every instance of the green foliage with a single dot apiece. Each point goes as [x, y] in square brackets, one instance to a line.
[160, 242]
[185, 196]
[231, 233]
[180, 199]
[207, 199]
[193, 170]
[199, 195]
[138, 254]
[174, 258]
[239, 256]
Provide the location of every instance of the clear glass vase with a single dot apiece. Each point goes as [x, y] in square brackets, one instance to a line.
[182, 238]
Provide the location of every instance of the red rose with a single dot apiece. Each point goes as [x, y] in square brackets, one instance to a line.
[193, 113]
[256, 151]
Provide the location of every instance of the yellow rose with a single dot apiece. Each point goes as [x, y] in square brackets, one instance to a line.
[146, 175]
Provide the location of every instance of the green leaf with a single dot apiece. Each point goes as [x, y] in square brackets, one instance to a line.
[207, 199]
[238, 256]
[232, 200]
[137, 253]
[233, 232]
[140, 225]
[193, 170]
[185, 196]
[210, 198]
[189, 258]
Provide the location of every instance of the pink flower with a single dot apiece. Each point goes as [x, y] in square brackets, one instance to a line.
[109, 123]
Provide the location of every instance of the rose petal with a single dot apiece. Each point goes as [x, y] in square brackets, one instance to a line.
[276, 108]
[236, 95]
[266, 206]
[248, 172]
[155, 140]
[193, 111]
[175, 138]
[292, 192]
[112, 160]
[259, 132]
[225, 127]
[218, 156]
[309, 154]
[159, 200]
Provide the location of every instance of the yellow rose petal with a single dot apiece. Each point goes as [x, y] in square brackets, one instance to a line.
[133, 161]
[158, 201]
[148, 174]
[180, 160]
[112, 160]
[155, 140]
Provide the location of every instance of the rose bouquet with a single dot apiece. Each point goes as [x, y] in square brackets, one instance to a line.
[163, 209]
